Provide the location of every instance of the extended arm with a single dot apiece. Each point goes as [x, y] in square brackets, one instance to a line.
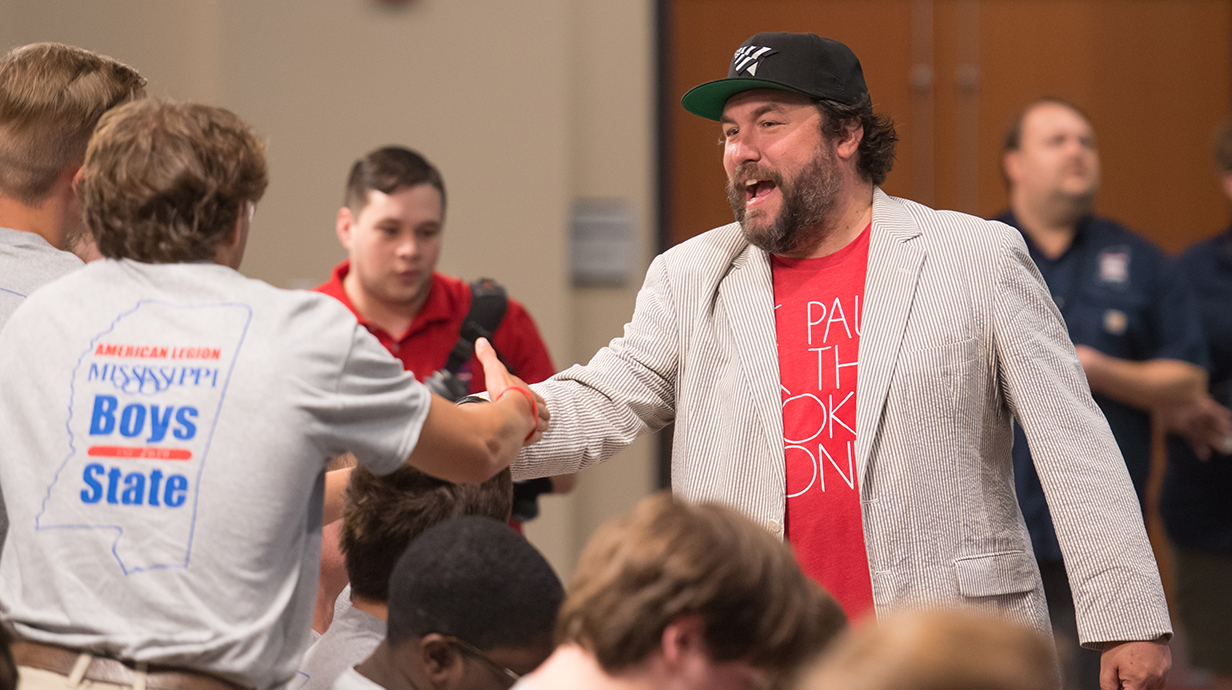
[335, 494]
[472, 443]
[1144, 385]
[628, 387]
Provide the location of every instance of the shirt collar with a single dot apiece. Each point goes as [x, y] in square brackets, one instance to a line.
[1081, 230]
[440, 305]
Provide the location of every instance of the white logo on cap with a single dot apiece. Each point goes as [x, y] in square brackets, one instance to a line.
[748, 58]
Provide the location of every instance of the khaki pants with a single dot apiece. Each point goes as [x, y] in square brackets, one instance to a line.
[29, 678]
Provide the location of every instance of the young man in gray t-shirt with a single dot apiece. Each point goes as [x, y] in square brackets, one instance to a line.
[51, 96]
[167, 422]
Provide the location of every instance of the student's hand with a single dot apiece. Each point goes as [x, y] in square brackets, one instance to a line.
[1140, 665]
[499, 380]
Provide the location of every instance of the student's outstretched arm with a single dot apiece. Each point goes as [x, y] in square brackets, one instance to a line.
[471, 443]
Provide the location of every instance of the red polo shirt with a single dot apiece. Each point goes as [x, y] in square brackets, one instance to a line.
[425, 346]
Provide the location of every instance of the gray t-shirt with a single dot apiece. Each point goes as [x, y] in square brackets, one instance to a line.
[351, 638]
[26, 262]
[354, 680]
[165, 429]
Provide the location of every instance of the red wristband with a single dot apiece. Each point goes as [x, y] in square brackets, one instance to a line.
[534, 407]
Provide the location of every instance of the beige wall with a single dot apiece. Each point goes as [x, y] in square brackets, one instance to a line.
[523, 105]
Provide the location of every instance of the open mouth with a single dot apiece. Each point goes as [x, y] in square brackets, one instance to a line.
[756, 190]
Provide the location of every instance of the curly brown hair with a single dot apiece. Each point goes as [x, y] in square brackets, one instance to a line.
[51, 97]
[165, 182]
[880, 137]
[669, 559]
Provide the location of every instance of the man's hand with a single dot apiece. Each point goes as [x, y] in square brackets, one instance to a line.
[498, 379]
[1204, 423]
[1135, 665]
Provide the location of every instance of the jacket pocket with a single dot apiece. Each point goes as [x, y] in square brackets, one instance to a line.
[1009, 572]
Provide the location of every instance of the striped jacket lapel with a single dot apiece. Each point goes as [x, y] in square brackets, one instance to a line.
[894, 262]
[748, 296]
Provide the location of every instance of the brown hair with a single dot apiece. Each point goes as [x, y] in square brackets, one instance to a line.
[668, 559]
[382, 515]
[938, 650]
[51, 97]
[387, 170]
[164, 182]
[880, 138]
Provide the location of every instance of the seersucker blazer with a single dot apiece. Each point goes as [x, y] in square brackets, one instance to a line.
[959, 336]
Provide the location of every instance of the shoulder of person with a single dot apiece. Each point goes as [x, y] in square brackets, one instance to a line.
[947, 230]
[1207, 252]
[702, 261]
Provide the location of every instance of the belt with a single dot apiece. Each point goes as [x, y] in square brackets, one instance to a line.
[99, 669]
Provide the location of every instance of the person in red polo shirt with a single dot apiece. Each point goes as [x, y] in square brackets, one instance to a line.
[391, 225]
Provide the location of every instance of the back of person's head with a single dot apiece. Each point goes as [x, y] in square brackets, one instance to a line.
[382, 515]
[474, 579]
[668, 559]
[51, 98]
[166, 182]
[387, 170]
[938, 650]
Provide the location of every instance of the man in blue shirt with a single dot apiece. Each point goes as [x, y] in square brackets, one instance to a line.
[1194, 502]
[1130, 313]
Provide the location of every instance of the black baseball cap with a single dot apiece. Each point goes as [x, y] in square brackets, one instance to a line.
[803, 63]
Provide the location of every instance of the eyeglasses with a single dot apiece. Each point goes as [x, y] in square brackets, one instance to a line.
[478, 653]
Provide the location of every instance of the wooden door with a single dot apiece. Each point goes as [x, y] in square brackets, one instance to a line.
[1155, 76]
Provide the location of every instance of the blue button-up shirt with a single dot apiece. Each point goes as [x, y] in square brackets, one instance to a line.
[1194, 503]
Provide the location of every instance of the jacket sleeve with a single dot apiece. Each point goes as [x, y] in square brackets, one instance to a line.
[1111, 568]
[628, 387]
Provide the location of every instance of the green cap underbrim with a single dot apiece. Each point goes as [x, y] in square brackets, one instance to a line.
[708, 100]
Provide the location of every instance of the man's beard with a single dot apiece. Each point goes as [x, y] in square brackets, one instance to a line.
[806, 201]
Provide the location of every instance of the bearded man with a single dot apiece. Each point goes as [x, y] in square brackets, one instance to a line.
[758, 338]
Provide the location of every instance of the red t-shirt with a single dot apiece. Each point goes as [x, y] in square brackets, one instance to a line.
[818, 303]
[425, 346]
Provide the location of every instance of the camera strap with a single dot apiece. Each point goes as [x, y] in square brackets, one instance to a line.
[488, 306]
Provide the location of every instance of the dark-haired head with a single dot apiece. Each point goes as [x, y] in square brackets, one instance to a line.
[383, 514]
[876, 150]
[387, 170]
[471, 604]
[476, 579]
